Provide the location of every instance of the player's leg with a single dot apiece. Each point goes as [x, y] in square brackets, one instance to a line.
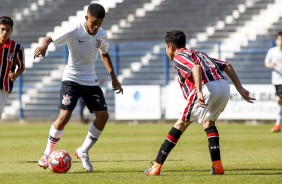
[93, 134]
[3, 99]
[171, 140]
[214, 148]
[185, 119]
[81, 107]
[83, 118]
[68, 100]
[277, 126]
[169, 143]
[96, 128]
[55, 133]
[219, 95]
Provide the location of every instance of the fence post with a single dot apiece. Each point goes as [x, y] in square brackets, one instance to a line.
[21, 113]
[219, 50]
[273, 44]
[116, 59]
[66, 54]
[166, 69]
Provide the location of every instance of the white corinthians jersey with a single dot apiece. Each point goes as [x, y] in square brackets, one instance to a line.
[274, 55]
[83, 53]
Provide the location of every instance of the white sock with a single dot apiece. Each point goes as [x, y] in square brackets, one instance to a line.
[53, 139]
[91, 138]
[279, 115]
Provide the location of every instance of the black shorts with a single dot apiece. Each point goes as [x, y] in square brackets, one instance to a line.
[92, 95]
[278, 90]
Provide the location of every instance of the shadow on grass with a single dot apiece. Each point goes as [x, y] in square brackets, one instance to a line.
[237, 171]
[249, 171]
[255, 171]
[227, 172]
[101, 161]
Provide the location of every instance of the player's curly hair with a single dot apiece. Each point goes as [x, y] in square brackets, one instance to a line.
[7, 21]
[176, 37]
[96, 10]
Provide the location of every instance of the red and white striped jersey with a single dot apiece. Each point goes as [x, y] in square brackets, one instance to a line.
[185, 59]
[11, 56]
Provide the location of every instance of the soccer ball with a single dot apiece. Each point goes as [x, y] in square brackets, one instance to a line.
[59, 161]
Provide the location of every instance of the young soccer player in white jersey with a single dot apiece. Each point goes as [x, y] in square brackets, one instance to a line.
[85, 42]
[273, 60]
[206, 91]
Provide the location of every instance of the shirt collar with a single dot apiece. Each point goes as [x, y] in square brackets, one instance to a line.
[180, 50]
[7, 44]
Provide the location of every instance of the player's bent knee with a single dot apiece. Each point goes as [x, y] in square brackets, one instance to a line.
[102, 116]
[181, 125]
[208, 123]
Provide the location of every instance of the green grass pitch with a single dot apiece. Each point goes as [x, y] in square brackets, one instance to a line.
[250, 154]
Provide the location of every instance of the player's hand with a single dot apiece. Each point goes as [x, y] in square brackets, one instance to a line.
[117, 86]
[13, 76]
[40, 52]
[201, 100]
[246, 95]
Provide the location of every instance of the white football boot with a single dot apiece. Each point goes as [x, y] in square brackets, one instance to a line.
[84, 159]
[43, 162]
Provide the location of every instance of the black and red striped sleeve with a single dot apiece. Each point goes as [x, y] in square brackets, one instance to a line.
[221, 64]
[20, 58]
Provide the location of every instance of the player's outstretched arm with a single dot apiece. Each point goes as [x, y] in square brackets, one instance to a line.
[41, 50]
[229, 70]
[109, 66]
[269, 64]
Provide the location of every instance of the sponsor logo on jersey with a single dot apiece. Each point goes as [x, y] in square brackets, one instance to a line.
[80, 41]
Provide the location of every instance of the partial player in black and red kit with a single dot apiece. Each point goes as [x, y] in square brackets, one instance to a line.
[12, 60]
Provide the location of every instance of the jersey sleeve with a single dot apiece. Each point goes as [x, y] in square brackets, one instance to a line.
[105, 44]
[20, 58]
[63, 36]
[268, 57]
[221, 64]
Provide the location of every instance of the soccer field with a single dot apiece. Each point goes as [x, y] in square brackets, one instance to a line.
[250, 154]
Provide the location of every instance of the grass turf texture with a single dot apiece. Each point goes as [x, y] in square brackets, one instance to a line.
[250, 154]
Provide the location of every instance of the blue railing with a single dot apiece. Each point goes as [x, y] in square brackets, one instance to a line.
[21, 111]
[119, 50]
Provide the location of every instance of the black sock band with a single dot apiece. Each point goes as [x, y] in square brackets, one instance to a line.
[168, 145]
[213, 139]
[53, 139]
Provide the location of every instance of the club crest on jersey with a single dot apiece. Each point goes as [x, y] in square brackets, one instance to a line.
[10, 57]
[98, 43]
[66, 99]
